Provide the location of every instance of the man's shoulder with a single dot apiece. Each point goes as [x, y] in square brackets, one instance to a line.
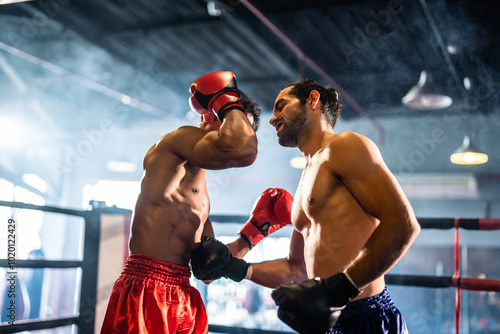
[347, 135]
[180, 142]
[180, 135]
[347, 147]
[349, 139]
[169, 143]
[185, 129]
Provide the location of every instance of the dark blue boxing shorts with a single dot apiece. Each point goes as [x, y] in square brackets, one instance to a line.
[373, 315]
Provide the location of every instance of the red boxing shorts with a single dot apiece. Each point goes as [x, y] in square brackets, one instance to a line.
[153, 296]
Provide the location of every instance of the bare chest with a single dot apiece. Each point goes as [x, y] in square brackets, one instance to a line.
[187, 196]
[315, 195]
[193, 180]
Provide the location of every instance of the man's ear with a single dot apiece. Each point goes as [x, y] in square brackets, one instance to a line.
[313, 99]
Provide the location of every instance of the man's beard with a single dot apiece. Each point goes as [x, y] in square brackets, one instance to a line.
[291, 131]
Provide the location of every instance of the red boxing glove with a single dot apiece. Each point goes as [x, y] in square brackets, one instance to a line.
[215, 92]
[271, 211]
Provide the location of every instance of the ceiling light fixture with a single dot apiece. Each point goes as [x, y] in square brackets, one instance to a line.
[468, 154]
[6, 2]
[213, 8]
[298, 162]
[425, 95]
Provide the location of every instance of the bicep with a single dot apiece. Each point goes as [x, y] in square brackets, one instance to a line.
[208, 154]
[196, 146]
[204, 149]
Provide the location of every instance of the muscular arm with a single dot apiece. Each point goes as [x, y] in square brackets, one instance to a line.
[275, 272]
[282, 271]
[239, 247]
[234, 145]
[360, 167]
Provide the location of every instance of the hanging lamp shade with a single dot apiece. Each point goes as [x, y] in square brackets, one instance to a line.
[468, 154]
[425, 95]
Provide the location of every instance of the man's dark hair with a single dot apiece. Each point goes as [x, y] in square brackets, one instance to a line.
[329, 98]
[251, 107]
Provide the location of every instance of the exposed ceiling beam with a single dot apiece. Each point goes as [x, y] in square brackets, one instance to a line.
[112, 93]
[12, 74]
[304, 59]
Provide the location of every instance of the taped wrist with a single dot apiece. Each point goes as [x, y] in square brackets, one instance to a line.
[222, 110]
[221, 102]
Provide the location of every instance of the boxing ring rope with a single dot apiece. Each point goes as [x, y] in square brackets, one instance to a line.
[91, 244]
[455, 281]
[85, 319]
[482, 224]
[466, 283]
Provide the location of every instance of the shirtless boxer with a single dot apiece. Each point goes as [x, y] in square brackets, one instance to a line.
[153, 294]
[352, 224]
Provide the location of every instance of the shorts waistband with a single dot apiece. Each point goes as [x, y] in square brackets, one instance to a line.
[148, 267]
[371, 315]
[365, 307]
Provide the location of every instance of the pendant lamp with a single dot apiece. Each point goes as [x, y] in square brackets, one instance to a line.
[468, 154]
[425, 95]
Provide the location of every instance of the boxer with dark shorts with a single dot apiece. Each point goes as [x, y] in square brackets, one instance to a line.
[352, 223]
[153, 294]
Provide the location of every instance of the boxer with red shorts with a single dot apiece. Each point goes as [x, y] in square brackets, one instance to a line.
[153, 294]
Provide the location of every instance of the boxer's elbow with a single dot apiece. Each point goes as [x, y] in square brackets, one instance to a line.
[415, 228]
[246, 156]
[250, 152]
[410, 231]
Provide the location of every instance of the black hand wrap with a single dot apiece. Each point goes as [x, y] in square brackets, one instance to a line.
[236, 269]
[314, 305]
[212, 260]
[339, 289]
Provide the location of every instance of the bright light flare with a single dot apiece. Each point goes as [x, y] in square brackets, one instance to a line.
[10, 132]
[6, 2]
[36, 182]
[469, 158]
